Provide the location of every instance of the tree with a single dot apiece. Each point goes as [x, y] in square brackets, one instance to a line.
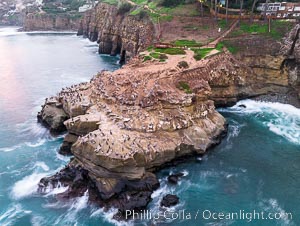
[216, 13]
[241, 8]
[252, 10]
[201, 6]
[265, 10]
[226, 11]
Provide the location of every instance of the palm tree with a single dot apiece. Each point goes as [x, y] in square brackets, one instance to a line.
[252, 10]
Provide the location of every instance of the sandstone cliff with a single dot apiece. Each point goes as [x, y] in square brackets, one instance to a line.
[44, 21]
[273, 69]
[133, 121]
[117, 33]
[125, 124]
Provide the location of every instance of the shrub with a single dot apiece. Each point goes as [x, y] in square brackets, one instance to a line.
[142, 14]
[124, 7]
[171, 3]
[146, 58]
[183, 64]
[185, 87]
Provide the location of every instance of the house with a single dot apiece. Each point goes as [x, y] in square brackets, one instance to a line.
[280, 9]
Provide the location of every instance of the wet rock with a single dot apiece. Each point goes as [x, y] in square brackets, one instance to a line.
[53, 118]
[173, 178]
[117, 193]
[69, 140]
[169, 200]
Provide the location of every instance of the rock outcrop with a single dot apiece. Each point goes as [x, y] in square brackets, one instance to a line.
[133, 121]
[53, 116]
[169, 200]
[124, 125]
[116, 33]
[44, 21]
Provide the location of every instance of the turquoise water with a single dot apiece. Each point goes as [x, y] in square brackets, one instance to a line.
[256, 167]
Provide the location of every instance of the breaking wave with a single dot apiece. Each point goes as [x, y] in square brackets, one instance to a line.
[281, 119]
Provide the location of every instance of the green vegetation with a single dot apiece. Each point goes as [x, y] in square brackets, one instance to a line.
[185, 87]
[111, 2]
[222, 24]
[124, 7]
[67, 6]
[159, 56]
[278, 29]
[188, 43]
[201, 53]
[170, 51]
[220, 46]
[171, 3]
[139, 13]
[231, 48]
[146, 58]
[150, 48]
[140, 2]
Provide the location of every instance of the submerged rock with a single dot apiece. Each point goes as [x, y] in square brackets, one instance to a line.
[169, 200]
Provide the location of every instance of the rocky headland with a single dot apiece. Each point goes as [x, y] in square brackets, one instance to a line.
[124, 125]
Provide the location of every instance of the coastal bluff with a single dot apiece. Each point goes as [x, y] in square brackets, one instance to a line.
[117, 32]
[124, 125]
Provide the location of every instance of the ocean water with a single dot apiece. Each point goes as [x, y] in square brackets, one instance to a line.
[255, 168]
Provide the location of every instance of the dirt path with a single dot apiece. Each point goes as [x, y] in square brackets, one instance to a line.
[214, 43]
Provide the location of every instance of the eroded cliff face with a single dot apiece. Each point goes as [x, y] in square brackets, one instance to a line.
[116, 34]
[44, 21]
[272, 69]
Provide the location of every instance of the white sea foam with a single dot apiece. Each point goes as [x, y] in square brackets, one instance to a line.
[13, 213]
[8, 149]
[27, 186]
[272, 206]
[62, 157]
[36, 144]
[41, 165]
[57, 190]
[38, 221]
[185, 173]
[282, 119]
[81, 202]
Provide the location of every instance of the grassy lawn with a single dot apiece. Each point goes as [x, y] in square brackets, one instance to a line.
[201, 53]
[170, 51]
[278, 29]
[188, 43]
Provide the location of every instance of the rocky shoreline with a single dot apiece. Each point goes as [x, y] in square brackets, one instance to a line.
[125, 125]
